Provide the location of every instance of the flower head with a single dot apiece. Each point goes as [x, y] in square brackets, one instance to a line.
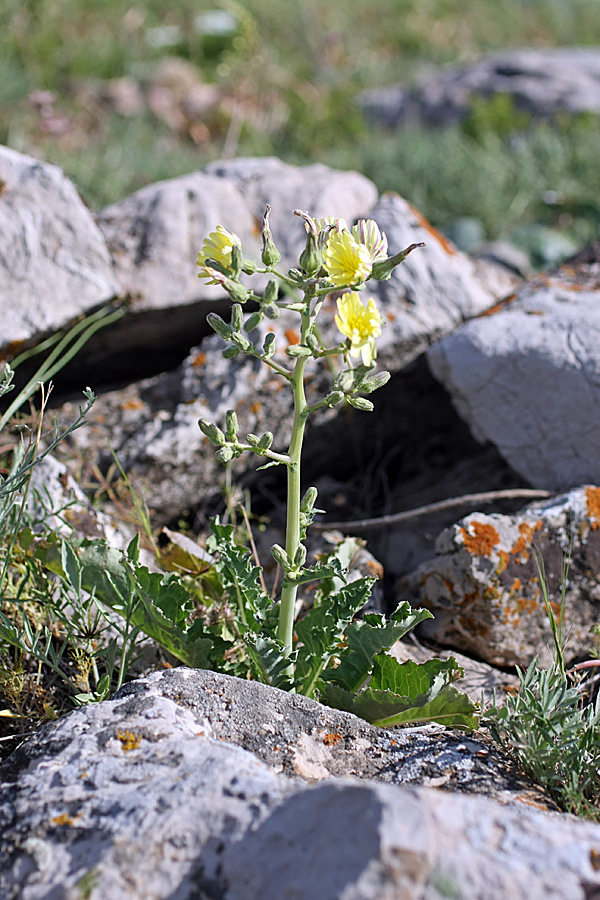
[367, 232]
[218, 246]
[347, 262]
[361, 324]
[337, 225]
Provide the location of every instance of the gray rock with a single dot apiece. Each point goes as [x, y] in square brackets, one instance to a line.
[147, 795]
[527, 377]
[543, 82]
[484, 587]
[54, 264]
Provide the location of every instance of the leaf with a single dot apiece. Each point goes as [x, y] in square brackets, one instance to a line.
[322, 629]
[369, 637]
[272, 664]
[407, 693]
[331, 569]
[71, 567]
[183, 553]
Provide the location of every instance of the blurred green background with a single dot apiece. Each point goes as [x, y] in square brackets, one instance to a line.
[121, 94]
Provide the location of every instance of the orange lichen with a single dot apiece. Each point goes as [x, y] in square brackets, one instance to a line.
[482, 541]
[503, 558]
[129, 740]
[131, 404]
[65, 819]
[199, 360]
[521, 546]
[592, 496]
[497, 307]
[332, 739]
[516, 585]
[447, 245]
[255, 407]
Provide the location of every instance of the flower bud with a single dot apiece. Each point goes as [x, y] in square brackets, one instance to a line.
[271, 310]
[296, 276]
[270, 253]
[311, 258]
[308, 501]
[249, 267]
[313, 342]
[300, 557]
[217, 324]
[212, 432]
[345, 380]
[224, 454]
[237, 317]
[374, 382]
[271, 292]
[253, 440]
[266, 440]
[230, 352]
[383, 268]
[297, 350]
[253, 322]
[236, 259]
[281, 558]
[333, 398]
[361, 403]
[231, 425]
[269, 344]
[240, 342]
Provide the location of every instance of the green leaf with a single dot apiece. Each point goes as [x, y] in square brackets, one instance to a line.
[71, 567]
[272, 664]
[322, 629]
[331, 569]
[369, 637]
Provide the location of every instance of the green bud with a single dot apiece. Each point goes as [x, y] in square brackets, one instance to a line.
[217, 324]
[240, 342]
[253, 440]
[281, 558]
[271, 310]
[236, 259]
[237, 317]
[212, 432]
[231, 425]
[374, 382]
[296, 276]
[269, 344]
[230, 353]
[383, 268]
[249, 267]
[345, 380]
[270, 253]
[253, 321]
[224, 454]
[313, 342]
[271, 292]
[308, 501]
[297, 350]
[333, 398]
[266, 440]
[311, 258]
[361, 403]
[300, 557]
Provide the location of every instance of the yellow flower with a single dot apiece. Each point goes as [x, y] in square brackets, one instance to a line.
[367, 232]
[347, 262]
[217, 246]
[361, 324]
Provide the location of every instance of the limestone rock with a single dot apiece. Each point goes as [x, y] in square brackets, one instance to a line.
[147, 794]
[527, 377]
[54, 264]
[541, 81]
[483, 585]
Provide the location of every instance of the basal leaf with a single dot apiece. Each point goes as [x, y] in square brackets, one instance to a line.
[368, 637]
[273, 666]
[321, 630]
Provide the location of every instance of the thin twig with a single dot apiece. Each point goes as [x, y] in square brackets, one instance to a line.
[465, 500]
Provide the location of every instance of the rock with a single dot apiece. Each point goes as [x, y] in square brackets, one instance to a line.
[54, 265]
[542, 82]
[191, 784]
[505, 254]
[484, 587]
[545, 246]
[526, 376]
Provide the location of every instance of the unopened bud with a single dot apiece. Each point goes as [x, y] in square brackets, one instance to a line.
[345, 380]
[333, 398]
[224, 454]
[271, 310]
[269, 344]
[313, 342]
[383, 268]
[281, 558]
[249, 267]
[231, 425]
[253, 440]
[217, 324]
[296, 276]
[212, 432]
[271, 292]
[374, 382]
[298, 350]
[270, 253]
[266, 440]
[253, 322]
[237, 317]
[240, 342]
[309, 500]
[361, 403]
[300, 556]
[230, 353]
[236, 259]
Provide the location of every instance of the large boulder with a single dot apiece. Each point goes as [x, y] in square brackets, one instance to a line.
[526, 376]
[192, 784]
[54, 263]
[543, 82]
